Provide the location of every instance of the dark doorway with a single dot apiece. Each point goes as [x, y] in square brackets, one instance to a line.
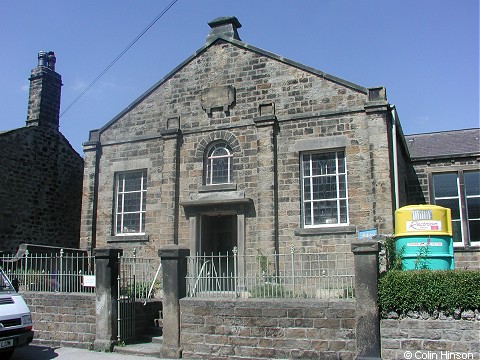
[218, 234]
[218, 238]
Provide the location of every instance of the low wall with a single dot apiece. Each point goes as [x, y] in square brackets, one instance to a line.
[431, 338]
[68, 319]
[62, 319]
[267, 328]
[467, 259]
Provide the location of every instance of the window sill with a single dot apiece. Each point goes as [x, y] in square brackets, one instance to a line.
[127, 238]
[217, 187]
[466, 248]
[326, 230]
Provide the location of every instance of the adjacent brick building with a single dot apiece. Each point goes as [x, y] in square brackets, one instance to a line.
[41, 174]
[241, 147]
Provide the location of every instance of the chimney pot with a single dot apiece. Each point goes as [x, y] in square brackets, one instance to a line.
[42, 58]
[51, 60]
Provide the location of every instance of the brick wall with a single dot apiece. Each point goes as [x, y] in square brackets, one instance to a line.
[61, 319]
[430, 338]
[272, 328]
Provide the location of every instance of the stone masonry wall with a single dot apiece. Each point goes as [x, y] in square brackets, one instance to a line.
[309, 110]
[62, 319]
[430, 339]
[40, 189]
[267, 329]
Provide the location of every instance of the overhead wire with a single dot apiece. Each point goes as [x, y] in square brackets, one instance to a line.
[164, 11]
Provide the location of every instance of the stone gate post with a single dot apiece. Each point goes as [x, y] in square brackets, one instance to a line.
[106, 274]
[366, 295]
[174, 266]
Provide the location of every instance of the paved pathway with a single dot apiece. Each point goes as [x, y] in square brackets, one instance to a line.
[37, 352]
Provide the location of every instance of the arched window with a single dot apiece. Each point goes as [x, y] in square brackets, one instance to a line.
[219, 164]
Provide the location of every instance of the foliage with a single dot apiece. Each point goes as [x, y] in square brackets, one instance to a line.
[269, 290]
[394, 258]
[421, 258]
[430, 291]
[139, 292]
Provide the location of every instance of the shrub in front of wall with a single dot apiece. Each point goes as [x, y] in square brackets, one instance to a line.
[429, 291]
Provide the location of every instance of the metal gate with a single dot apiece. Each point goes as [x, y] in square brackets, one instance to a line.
[136, 283]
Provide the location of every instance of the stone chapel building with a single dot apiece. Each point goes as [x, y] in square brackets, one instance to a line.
[239, 147]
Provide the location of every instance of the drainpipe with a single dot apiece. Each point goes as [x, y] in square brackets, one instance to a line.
[395, 155]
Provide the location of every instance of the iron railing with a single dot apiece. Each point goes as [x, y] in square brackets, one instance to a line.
[292, 275]
[52, 272]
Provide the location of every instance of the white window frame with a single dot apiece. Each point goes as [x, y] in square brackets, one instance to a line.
[119, 211]
[311, 200]
[462, 199]
[211, 159]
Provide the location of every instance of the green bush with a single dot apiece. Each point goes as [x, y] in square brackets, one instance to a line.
[270, 290]
[430, 291]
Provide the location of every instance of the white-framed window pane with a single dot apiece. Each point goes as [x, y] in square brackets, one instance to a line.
[220, 170]
[307, 210]
[219, 165]
[447, 193]
[473, 208]
[472, 192]
[325, 212]
[454, 206]
[472, 183]
[130, 205]
[324, 189]
[445, 185]
[474, 228]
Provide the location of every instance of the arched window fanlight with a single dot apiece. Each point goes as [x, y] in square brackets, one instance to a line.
[219, 164]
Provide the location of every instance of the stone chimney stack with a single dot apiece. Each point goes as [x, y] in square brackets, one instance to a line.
[224, 26]
[45, 91]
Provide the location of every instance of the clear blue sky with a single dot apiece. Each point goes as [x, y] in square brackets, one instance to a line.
[425, 52]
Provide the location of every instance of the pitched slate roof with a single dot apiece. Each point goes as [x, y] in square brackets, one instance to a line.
[455, 143]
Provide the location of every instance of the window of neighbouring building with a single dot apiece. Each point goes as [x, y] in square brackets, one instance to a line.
[460, 191]
[130, 202]
[219, 164]
[324, 189]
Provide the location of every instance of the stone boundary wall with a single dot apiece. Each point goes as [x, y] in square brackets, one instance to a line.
[62, 319]
[267, 328]
[430, 338]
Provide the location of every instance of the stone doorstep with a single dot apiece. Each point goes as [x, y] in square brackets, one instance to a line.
[148, 344]
[150, 347]
[142, 349]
